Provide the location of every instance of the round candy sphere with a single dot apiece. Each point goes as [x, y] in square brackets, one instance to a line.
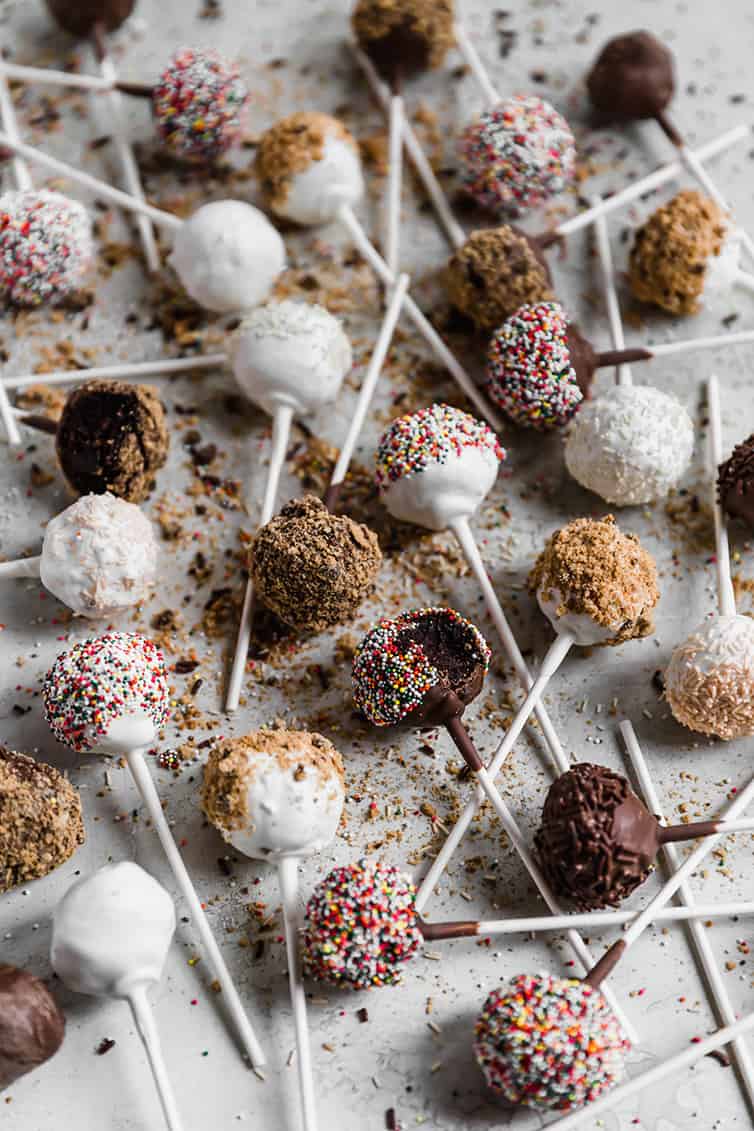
[630, 445]
[517, 155]
[46, 246]
[735, 483]
[494, 272]
[360, 926]
[709, 682]
[633, 77]
[32, 1026]
[79, 17]
[549, 1043]
[228, 256]
[199, 102]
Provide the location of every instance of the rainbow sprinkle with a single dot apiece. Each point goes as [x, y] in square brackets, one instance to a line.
[432, 435]
[517, 155]
[360, 926]
[529, 368]
[199, 103]
[392, 673]
[549, 1043]
[45, 246]
[100, 680]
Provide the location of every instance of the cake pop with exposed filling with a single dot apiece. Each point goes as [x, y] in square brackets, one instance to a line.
[403, 37]
[496, 271]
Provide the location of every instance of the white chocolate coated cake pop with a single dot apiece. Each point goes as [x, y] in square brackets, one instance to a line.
[709, 682]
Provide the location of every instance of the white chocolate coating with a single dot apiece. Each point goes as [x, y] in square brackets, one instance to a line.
[723, 269]
[584, 629]
[709, 682]
[112, 931]
[315, 194]
[228, 256]
[291, 353]
[442, 492]
[99, 556]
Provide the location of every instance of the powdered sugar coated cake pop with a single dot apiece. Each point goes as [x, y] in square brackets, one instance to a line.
[46, 246]
[549, 1043]
[517, 155]
[360, 926]
[709, 682]
[99, 556]
[228, 256]
[291, 353]
[106, 691]
[436, 465]
[630, 445]
[198, 104]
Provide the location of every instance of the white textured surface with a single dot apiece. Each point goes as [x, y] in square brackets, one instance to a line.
[315, 194]
[722, 269]
[718, 641]
[584, 629]
[443, 491]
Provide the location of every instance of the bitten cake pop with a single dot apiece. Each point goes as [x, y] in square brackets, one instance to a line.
[46, 247]
[517, 155]
[312, 568]
[404, 38]
[32, 1025]
[40, 820]
[735, 483]
[633, 78]
[709, 682]
[198, 103]
[80, 17]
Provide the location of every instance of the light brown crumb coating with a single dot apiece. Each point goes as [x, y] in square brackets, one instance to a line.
[495, 272]
[289, 147]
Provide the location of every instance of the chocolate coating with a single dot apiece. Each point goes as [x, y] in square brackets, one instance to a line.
[633, 77]
[79, 17]
[735, 483]
[583, 358]
[596, 842]
[449, 645]
[32, 1026]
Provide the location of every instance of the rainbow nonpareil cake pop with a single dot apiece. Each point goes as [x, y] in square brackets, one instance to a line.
[46, 247]
[199, 102]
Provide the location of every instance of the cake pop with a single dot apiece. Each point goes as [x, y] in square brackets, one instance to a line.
[111, 933]
[46, 247]
[32, 1025]
[406, 37]
[199, 102]
[735, 483]
[110, 695]
[80, 18]
[40, 820]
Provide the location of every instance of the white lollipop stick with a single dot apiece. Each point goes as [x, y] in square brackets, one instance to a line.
[127, 371]
[690, 345]
[22, 567]
[723, 1005]
[144, 783]
[417, 156]
[473, 61]
[607, 270]
[23, 181]
[726, 595]
[281, 431]
[745, 280]
[145, 1023]
[46, 76]
[288, 875]
[394, 184]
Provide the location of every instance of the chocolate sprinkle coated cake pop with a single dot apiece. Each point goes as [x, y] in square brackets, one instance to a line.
[112, 437]
[633, 78]
[496, 271]
[46, 247]
[423, 667]
[596, 841]
[40, 819]
[735, 483]
[199, 103]
[79, 17]
[313, 568]
[402, 37]
[32, 1026]
[549, 1043]
[360, 926]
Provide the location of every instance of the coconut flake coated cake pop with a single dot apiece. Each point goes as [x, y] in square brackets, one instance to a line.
[360, 926]
[436, 465]
[99, 556]
[199, 102]
[709, 682]
[46, 247]
[32, 1025]
[517, 155]
[275, 793]
[228, 256]
[107, 690]
[630, 444]
[308, 165]
[549, 1043]
[291, 353]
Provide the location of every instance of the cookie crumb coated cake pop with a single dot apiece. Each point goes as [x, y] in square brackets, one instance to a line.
[198, 104]
[517, 155]
[549, 1043]
[46, 247]
[402, 37]
[79, 17]
[494, 272]
[709, 682]
[112, 436]
[360, 926]
[735, 483]
[595, 582]
[41, 825]
[312, 568]
[633, 77]
[32, 1025]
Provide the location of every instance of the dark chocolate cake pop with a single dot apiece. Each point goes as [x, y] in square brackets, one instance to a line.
[80, 17]
[495, 272]
[112, 437]
[31, 1024]
[735, 483]
[402, 37]
[633, 77]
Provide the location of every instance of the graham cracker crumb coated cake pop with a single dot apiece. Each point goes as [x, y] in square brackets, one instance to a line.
[290, 146]
[496, 271]
[404, 36]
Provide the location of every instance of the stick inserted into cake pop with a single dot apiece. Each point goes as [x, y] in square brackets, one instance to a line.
[111, 933]
[612, 303]
[23, 181]
[109, 695]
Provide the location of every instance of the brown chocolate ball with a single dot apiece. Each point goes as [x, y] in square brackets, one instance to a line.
[633, 78]
[79, 17]
[735, 483]
[32, 1026]
[402, 37]
[112, 436]
[495, 272]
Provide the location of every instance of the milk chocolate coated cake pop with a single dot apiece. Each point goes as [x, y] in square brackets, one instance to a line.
[40, 820]
[735, 483]
[595, 582]
[709, 682]
[79, 17]
[46, 247]
[112, 437]
[313, 568]
[633, 78]
[199, 103]
[496, 271]
[32, 1026]
[404, 36]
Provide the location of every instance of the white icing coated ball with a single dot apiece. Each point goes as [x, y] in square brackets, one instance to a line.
[723, 269]
[315, 193]
[228, 256]
[585, 630]
[111, 932]
[99, 556]
[630, 445]
[709, 682]
[291, 353]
